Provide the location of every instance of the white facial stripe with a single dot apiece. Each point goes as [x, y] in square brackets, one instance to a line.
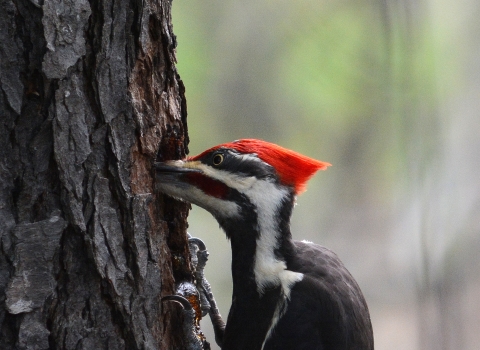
[216, 206]
[267, 197]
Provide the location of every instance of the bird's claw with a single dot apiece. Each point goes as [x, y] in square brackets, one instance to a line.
[197, 300]
[179, 299]
[194, 338]
[199, 256]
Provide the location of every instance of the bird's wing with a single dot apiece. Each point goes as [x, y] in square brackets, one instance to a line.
[326, 309]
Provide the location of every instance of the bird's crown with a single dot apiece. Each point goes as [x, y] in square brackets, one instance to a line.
[293, 169]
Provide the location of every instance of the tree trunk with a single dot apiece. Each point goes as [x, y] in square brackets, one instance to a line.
[89, 97]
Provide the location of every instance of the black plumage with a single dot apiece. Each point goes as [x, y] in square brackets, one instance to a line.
[327, 307]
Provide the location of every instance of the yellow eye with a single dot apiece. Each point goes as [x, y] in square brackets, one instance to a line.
[217, 159]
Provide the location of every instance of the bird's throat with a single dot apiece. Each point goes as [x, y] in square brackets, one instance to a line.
[261, 283]
[259, 254]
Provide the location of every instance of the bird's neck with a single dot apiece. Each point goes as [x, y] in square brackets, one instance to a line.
[261, 243]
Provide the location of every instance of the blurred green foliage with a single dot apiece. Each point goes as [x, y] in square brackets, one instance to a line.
[339, 81]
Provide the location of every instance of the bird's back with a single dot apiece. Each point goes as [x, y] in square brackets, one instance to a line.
[326, 309]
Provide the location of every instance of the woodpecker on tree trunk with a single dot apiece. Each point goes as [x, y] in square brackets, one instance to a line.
[286, 294]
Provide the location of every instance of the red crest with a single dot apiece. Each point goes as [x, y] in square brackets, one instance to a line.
[294, 169]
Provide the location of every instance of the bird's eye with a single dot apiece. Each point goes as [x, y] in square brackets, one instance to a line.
[217, 159]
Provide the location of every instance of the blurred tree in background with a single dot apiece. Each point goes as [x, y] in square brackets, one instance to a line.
[388, 92]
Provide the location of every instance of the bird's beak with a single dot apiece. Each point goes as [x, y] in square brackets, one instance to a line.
[173, 178]
[175, 167]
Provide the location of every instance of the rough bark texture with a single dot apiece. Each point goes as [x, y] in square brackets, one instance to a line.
[89, 97]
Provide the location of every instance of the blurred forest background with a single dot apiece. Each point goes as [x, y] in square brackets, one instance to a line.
[389, 93]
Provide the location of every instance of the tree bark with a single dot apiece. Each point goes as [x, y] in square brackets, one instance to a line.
[89, 97]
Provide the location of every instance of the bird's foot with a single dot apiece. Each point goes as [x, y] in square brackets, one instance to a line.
[194, 338]
[197, 300]
[199, 256]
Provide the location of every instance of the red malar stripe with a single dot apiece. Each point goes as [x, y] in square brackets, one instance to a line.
[208, 185]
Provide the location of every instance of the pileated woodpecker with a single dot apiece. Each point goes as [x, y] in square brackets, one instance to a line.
[286, 294]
